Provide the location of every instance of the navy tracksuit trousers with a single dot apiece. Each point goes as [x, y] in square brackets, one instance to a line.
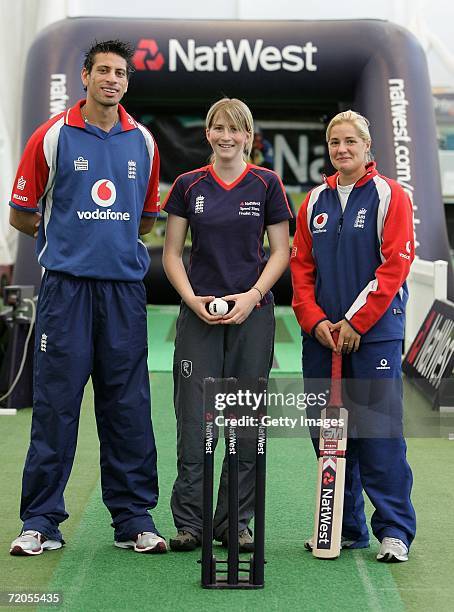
[220, 351]
[376, 450]
[94, 328]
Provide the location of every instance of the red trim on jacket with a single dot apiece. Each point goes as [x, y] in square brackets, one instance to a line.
[398, 253]
[302, 266]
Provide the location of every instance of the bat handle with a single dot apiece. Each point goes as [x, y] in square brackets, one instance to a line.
[336, 375]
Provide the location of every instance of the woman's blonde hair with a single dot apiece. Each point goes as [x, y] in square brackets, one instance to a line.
[360, 123]
[238, 114]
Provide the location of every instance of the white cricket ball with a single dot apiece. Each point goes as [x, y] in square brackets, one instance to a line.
[218, 307]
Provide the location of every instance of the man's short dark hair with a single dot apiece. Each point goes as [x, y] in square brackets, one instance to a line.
[119, 47]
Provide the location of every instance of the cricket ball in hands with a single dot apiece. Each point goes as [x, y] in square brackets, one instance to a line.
[218, 307]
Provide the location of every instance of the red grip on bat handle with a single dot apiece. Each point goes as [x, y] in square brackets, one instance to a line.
[336, 375]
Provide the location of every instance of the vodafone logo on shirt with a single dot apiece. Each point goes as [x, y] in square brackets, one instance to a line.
[320, 221]
[103, 194]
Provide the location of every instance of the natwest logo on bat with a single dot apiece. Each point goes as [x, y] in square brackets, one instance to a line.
[225, 55]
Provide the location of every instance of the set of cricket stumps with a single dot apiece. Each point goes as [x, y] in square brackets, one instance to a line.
[236, 572]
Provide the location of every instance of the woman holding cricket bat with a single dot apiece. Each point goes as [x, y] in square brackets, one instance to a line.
[351, 255]
[228, 204]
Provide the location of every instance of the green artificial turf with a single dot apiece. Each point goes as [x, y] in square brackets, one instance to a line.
[93, 575]
[161, 337]
[24, 573]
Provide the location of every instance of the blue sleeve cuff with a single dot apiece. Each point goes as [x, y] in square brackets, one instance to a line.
[177, 213]
[24, 208]
[314, 326]
[276, 220]
[353, 327]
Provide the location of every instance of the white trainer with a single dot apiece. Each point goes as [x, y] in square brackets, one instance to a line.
[32, 543]
[146, 542]
[392, 550]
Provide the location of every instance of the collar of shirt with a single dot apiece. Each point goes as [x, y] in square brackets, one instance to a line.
[74, 118]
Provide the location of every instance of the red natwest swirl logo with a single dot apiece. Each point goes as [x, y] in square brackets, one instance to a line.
[147, 55]
[327, 478]
[320, 220]
[104, 193]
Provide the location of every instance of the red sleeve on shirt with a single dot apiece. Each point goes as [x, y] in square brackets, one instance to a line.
[151, 205]
[398, 249]
[302, 267]
[32, 173]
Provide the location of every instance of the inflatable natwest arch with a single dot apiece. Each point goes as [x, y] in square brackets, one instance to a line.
[373, 66]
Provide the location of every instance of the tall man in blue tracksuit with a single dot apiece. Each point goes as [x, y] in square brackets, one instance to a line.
[86, 188]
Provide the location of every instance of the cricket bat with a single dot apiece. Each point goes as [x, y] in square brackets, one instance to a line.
[331, 469]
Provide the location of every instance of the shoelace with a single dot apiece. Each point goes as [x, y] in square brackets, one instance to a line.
[397, 542]
[32, 534]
